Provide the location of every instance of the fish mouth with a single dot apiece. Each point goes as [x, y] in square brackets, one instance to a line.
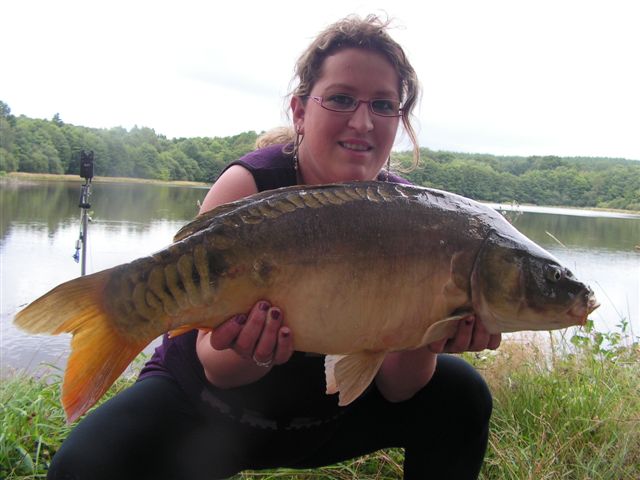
[584, 305]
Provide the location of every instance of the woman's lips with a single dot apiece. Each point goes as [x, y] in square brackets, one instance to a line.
[356, 146]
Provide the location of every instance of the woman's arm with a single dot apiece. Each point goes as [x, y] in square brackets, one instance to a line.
[402, 374]
[230, 354]
[234, 184]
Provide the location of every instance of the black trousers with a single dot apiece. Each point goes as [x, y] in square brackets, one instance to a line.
[152, 431]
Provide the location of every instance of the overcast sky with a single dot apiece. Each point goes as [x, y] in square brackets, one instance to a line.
[541, 77]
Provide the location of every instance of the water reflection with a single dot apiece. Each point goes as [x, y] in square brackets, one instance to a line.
[50, 206]
[600, 233]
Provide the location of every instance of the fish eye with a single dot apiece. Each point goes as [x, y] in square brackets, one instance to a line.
[553, 273]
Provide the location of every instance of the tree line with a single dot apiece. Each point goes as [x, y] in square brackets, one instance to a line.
[52, 146]
[538, 180]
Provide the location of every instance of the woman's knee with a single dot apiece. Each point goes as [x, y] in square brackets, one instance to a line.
[458, 391]
[77, 460]
[123, 435]
[61, 467]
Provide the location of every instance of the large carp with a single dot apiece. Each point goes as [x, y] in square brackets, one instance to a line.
[358, 270]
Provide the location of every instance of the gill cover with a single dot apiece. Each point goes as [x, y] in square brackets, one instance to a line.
[496, 283]
[517, 285]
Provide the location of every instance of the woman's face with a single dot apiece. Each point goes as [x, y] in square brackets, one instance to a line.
[341, 146]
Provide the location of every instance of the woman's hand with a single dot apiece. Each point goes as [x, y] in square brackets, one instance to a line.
[245, 347]
[471, 336]
[259, 336]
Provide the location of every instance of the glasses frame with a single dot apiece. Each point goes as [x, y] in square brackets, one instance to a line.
[320, 101]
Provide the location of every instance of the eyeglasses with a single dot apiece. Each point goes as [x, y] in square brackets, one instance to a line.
[346, 103]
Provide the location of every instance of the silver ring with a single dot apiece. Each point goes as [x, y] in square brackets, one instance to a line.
[266, 364]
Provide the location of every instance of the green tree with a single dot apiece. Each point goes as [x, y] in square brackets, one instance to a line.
[8, 162]
[57, 121]
[145, 158]
[35, 150]
[5, 112]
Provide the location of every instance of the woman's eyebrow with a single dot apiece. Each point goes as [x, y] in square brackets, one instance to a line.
[345, 88]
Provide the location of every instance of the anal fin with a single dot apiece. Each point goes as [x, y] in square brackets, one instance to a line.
[351, 374]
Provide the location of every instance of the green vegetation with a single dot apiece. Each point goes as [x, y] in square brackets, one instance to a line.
[568, 411]
[52, 146]
[549, 180]
[570, 415]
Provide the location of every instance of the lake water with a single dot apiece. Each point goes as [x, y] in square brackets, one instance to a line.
[40, 225]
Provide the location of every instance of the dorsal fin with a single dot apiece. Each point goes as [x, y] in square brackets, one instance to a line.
[203, 220]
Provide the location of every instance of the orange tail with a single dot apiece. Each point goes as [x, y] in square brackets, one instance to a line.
[99, 353]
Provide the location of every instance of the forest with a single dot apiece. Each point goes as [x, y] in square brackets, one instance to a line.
[52, 146]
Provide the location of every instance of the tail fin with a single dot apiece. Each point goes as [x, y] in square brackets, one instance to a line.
[99, 353]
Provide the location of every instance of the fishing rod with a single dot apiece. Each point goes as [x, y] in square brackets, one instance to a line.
[86, 172]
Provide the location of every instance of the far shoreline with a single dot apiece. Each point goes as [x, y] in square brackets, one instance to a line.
[35, 177]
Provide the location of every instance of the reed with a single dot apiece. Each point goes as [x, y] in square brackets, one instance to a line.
[568, 412]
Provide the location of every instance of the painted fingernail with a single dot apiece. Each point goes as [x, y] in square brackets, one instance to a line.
[241, 319]
[284, 333]
[264, 306]
[275, 314]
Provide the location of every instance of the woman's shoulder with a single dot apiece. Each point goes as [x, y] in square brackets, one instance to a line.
[271, 167]
[270, 157]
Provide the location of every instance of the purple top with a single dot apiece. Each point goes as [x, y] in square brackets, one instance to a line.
[290, 395]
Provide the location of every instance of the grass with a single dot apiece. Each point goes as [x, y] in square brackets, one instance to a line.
[576, 418]
[572, 413]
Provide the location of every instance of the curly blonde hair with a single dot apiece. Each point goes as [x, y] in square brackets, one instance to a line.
[369, 33]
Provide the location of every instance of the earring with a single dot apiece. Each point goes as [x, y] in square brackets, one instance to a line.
[296, 146]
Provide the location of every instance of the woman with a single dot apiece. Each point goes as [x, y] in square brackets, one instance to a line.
[209, 405]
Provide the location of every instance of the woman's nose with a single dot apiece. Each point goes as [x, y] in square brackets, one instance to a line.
[361, 120]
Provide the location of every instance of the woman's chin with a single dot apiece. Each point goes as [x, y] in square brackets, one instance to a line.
[356, 173]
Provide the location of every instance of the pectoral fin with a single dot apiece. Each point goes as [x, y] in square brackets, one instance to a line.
[444, 328]
[351, 374]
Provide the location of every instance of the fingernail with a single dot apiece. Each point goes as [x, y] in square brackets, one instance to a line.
[284, 333]
[241, 319]
[469, 320]
[264, 306]
[275, 314]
